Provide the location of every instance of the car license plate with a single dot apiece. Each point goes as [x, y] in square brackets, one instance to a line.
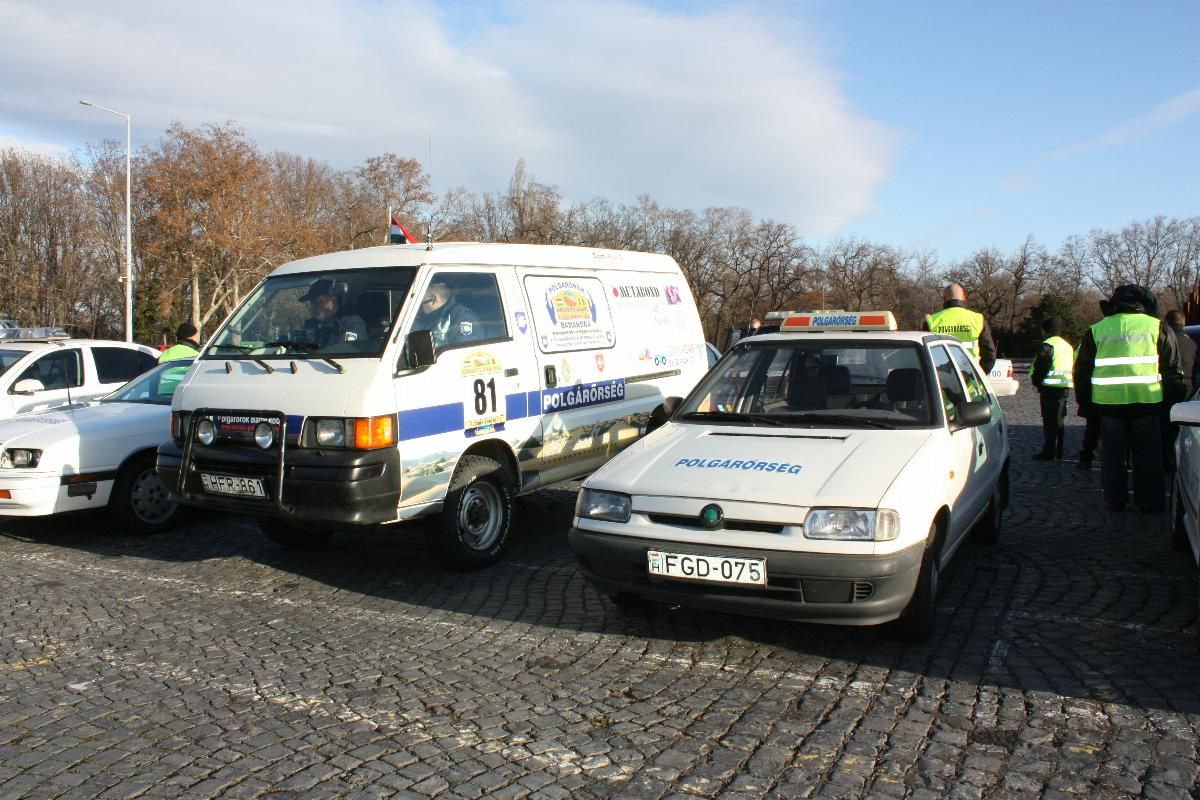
[721, 569]
[226, 484]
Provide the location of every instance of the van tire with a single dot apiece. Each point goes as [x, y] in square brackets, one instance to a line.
[919, 620]
[290, 537]
[140, 502]
[474, 526]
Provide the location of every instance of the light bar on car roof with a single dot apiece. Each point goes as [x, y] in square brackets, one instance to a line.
[812, 321]
[33, 334]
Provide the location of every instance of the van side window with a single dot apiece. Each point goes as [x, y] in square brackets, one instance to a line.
[461, 307]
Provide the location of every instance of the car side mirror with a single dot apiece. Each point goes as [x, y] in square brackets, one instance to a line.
[28, 386]
[663, 412]
[420, 349]
[974, 413]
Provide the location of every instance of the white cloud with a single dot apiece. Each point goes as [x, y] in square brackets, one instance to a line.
[601, 99]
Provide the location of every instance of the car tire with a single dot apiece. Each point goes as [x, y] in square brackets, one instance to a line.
[1179, 539]
[475, 524]
[919, 619]
[290, 537]
[140, 502]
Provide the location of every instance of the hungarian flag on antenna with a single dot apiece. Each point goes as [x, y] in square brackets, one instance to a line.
[398, 235]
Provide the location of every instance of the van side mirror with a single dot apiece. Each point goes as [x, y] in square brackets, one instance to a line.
[28, 386]
[420, 349]
[974, 413]
[663, 412]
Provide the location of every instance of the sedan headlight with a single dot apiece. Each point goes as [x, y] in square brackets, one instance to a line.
[852, 524]
[20, 458]
[609, 506]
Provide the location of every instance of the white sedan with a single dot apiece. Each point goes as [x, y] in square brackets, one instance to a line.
[95, 455]
[1002, 380]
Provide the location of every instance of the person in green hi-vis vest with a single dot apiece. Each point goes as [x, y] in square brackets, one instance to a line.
[1124, 363]
[185, 345]
[1051, 375]
[968, 326]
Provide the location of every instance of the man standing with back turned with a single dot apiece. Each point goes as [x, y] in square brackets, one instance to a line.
[968, 326]
[1050, 373]
[1124, 361]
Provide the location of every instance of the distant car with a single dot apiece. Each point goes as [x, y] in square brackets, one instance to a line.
[43, 368]
[1185, 496]
[1002, 380]
[94, 455]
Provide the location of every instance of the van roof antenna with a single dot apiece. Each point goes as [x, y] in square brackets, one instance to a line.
[429, 163]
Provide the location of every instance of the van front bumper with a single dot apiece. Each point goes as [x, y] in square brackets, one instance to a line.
[321, 488]
[803, 587]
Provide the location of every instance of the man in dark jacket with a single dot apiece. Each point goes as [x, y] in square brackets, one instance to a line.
[450, 320]
[330, 324]
[1127, 363]
[969, 327]
[1051, 375]
[1174, 320]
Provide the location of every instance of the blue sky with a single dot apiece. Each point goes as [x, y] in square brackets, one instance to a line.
[944, 126]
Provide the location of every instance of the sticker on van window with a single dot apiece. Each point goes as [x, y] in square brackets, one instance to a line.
[570, 314]
[522, 322]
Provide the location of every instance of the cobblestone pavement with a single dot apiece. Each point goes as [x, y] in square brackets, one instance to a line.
[207, 662]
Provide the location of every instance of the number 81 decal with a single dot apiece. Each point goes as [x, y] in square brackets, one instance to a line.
[483, 405]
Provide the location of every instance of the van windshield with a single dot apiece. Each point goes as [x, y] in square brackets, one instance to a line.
[346, 313]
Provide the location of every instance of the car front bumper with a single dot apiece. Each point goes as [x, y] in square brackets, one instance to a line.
[44, 494]
[808, 587]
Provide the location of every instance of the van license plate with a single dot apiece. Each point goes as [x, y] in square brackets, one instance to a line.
[226, 484]
[721, 569]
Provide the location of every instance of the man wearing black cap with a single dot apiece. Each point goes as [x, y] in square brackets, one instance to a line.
[328, 324]
[185, 345]
[1051, 374]
[1124, 362]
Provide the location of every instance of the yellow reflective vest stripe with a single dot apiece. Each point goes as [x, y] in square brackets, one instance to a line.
[1059, 375]
[177, 351]
[1126, 366]
[961, 323]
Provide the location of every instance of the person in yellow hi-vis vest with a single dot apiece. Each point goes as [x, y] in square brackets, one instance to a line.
[1124, 361]
[968, 326]
[185, 345]
[1051, 374]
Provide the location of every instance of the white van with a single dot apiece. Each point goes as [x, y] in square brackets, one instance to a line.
[542, 364]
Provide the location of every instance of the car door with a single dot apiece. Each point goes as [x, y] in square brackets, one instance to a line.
[61, 374]
[114, 367]
[963, 447]
[989, 443]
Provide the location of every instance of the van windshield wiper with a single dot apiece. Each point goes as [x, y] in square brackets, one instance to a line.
[241, 348]
[732, 416]
[842, 419]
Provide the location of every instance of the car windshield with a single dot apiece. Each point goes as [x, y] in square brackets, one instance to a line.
[155, 387]
[345, 313]
[811, 383]
[10, 357]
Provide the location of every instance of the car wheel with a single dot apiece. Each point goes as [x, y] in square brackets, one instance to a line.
[476, 519]
[140, 502]
[1179, 540]
[919, 619]
[291, 537]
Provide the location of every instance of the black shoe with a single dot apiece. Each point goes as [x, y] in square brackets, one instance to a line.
[1116, 507]
[1084, 463]
[1043, 456]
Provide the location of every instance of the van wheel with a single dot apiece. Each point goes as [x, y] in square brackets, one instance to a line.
[476, 520]
[291, 537]
[919, 619]
[988, 528]
[140, 502]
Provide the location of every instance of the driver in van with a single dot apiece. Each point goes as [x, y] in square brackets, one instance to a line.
[449, 319]
[329, 324]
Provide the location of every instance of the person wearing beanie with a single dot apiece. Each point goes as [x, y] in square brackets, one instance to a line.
[185, 345]
[1051, 375]
[1174, 320]
[1127, 363]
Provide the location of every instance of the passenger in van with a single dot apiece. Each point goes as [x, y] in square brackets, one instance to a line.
[329, 323]
[449, 319]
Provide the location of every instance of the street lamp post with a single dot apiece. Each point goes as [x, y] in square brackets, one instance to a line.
[128, 219]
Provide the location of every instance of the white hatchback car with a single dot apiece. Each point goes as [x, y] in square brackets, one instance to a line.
[94, 455]
[1185, 494]
[826, 473]
[1003, 381]
[42, 368]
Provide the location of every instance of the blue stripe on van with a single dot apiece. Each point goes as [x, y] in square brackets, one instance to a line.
[416, 423]
[516, 406]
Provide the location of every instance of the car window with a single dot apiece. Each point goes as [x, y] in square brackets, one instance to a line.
[10, 357]
[120, 364]
[58, 370]
[461, 308]
[155, 387]
[948, 381]
[976, 387]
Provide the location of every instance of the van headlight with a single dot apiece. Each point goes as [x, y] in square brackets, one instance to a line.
[852, 524]
[20, 458]
[608, 506]
[358, 433]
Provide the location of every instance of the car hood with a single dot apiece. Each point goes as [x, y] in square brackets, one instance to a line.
[796, 466]
[89, 437]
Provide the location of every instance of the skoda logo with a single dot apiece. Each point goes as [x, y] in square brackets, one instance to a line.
[711, 516]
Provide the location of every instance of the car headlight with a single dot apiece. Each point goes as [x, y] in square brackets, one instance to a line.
[20, 458]
[609, 506]
[852, 524]
[359, 433]
[206, 432]
[331, 432]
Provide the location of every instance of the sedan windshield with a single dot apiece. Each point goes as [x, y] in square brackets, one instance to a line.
[155, 387]
[345, 313]
[809, 383]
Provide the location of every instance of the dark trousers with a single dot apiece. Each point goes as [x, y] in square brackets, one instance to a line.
[1142, 436]
[1091, 436]
[1054, 415]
